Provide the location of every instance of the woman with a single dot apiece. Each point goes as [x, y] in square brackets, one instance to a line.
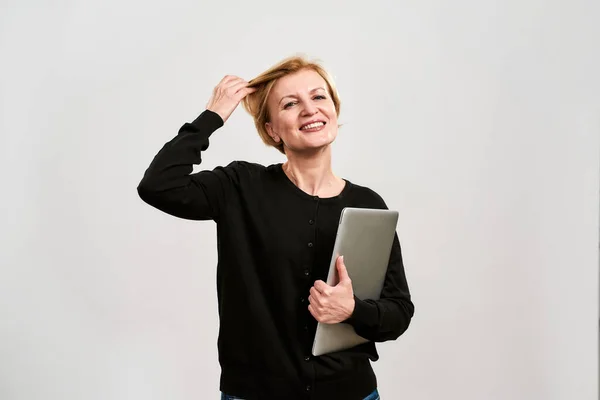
[276, 227]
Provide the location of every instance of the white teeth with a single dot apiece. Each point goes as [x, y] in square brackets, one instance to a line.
[313, 125]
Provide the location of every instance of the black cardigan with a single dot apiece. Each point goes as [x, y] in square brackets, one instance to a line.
[274, 241]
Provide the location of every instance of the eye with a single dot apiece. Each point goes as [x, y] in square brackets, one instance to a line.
[288, 105]
[320, 97]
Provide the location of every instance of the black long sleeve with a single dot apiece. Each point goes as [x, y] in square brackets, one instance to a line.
[169, 184]
[389, 317]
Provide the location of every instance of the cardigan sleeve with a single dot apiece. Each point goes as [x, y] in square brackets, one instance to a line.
[388, 317]
[169, 184]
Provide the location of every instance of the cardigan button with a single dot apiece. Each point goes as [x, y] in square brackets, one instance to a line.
[310, 244]
[311, 221]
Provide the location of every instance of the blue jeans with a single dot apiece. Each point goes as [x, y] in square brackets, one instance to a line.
[372, 396]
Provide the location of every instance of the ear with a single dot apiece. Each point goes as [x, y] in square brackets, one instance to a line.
[271, 132]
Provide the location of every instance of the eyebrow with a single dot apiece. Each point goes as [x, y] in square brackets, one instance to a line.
[311, 91]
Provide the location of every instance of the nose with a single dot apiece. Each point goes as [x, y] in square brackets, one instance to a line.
[309, 109]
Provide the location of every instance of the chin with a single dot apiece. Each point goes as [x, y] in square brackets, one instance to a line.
[319, 146]
[313, 143]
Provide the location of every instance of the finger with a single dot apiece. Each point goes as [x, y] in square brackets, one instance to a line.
[323, 288]
[228, 85]
[235, 91]
[226, 79]
[238, 88]
[314, 293]
[342, 271]
[249, 90]
[315, 300]
[227, 82]
[316, 314]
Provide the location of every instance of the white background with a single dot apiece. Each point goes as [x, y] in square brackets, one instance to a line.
[479, 121]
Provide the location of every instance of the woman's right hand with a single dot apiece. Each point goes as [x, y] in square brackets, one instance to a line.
[227, 95]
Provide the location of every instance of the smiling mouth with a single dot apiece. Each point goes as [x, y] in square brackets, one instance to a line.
[313, 126]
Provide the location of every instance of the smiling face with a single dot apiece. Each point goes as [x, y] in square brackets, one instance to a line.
[302, 112]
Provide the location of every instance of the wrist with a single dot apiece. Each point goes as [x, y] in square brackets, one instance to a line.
[217, 113]
[351, 306]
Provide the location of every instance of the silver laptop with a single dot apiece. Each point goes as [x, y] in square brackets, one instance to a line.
[364, 238]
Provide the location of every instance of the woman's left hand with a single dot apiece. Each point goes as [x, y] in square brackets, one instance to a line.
[332, 304]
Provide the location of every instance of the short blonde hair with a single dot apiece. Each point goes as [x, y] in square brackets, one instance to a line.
[256, 102]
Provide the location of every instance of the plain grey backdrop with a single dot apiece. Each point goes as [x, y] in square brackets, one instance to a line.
[478, 120]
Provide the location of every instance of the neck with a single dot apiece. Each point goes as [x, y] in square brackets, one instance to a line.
[312, 173]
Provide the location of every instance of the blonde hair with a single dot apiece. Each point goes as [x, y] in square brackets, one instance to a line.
[256, 103]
